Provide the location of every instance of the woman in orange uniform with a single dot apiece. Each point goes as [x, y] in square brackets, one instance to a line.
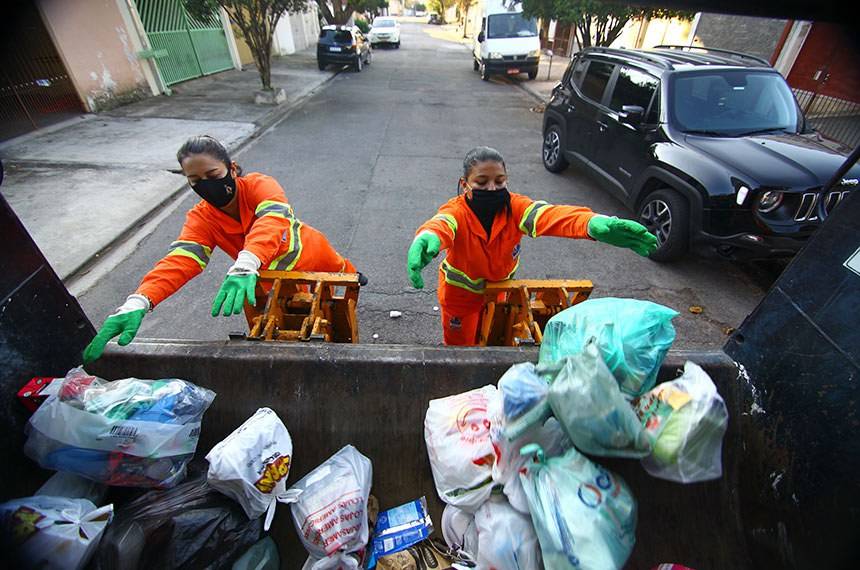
[246, 216]
[482, 229]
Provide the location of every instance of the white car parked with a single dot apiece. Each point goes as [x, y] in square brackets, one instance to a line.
[385, 31]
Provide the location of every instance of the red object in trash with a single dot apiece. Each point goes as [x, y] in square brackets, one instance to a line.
[34, 392]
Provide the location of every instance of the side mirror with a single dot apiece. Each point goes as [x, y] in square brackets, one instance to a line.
[632, 115]
[481, 37]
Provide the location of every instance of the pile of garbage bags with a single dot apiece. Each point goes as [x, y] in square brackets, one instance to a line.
[514, 461]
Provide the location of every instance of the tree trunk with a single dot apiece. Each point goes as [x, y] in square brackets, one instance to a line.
[466, 21]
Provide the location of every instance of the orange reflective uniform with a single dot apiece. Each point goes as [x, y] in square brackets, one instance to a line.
[472, 260]
[266, 227]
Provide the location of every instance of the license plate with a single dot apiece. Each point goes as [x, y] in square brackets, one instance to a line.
[334, 49]
[513, 71]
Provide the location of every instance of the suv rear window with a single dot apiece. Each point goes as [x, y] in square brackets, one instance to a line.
[596, 78]
[336, 37]
[632, 87]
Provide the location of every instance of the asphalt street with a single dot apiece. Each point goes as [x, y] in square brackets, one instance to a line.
[375, 153]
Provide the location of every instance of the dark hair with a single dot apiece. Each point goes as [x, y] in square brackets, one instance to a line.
[481, 154]
[204, 144]
[484, 154]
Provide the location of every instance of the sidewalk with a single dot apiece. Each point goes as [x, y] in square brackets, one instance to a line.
[549, 74]
[83, 185]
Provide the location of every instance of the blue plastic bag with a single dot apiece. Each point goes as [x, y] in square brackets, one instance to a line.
[584, 515]
[524, 400]
[633, 337]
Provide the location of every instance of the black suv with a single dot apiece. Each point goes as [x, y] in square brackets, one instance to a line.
[342, 45]
[708, 148]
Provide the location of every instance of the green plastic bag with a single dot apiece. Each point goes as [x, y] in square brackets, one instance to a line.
[584, 515]
[633, 337]
[591, 409]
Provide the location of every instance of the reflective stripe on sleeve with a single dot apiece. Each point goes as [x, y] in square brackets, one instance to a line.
[274, 209]
[198, 252]
[450, 220]
[528, 223]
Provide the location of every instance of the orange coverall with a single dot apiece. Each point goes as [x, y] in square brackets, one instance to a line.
[267, 228]
[472, 260]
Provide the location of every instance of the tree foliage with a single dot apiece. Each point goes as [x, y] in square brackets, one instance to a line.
[256, 19]
[338, 12]
[596, 23]
[440, 6]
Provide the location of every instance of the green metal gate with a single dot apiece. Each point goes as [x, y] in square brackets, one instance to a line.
[193, 47]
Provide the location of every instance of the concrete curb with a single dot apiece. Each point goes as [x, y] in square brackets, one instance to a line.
[88, 273]
[532, 92]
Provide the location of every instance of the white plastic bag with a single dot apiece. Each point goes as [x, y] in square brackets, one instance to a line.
[459, 530]
[689, 419]
[506, 537]
[584, 515]
[51, 532]
[252, 464]
[457, 433]
[329, 507]
[508, 461]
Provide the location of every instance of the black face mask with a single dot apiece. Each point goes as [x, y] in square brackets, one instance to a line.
[217, 192]
[487, 203]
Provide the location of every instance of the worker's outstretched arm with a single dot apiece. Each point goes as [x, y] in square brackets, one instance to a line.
[433, 236]
[537, 218]
[186, 257]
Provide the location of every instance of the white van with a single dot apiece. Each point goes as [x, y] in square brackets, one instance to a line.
[508, 43]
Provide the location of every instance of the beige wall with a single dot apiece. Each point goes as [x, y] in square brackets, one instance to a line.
[98, 51]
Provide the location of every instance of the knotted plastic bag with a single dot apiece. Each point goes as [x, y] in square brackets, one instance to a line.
[457, 434]
[588, 404]
[687, 420]
[51, 532]
[329, 508]
[252, 464]
[584, 515]
[508, 461]
[633, 337]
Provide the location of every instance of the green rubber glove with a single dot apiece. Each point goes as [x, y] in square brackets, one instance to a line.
[623, 233]
[124, 323]
[424, 248]
[233, 292]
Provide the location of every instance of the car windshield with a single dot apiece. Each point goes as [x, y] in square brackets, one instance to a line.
[383, 23]
[733, 103]
[336, 36]
[511, 26]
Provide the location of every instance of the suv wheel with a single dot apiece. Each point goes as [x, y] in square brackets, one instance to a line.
[533, 74]
[321, 64]
[476, 66]
[485, 75]
[666, 215]
[553, 154]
